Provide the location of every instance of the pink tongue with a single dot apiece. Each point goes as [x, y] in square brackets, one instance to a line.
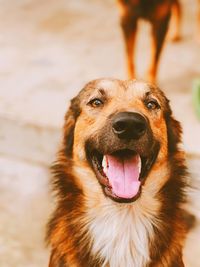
[123, 175]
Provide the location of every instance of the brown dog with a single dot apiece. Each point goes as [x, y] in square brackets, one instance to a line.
[198, 21]
[158, 13]
[119, 179]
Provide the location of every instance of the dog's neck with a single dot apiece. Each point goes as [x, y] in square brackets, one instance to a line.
[120, 234]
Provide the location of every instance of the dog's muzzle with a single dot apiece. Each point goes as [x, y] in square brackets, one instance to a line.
[122, 155]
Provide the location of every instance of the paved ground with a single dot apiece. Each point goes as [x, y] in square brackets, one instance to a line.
[48, 50]
[25, 204]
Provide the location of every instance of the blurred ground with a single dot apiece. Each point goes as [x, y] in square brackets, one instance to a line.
[48, 50]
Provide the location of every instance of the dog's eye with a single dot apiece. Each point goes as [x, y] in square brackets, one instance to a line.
[152, 104]
[95, 102]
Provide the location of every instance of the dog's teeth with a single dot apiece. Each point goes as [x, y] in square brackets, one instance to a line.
[104, 163]
[139, 164]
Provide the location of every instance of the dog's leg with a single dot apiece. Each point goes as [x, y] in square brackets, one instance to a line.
[175, 24]
[129, 26]
[159, 31]
[198, 22]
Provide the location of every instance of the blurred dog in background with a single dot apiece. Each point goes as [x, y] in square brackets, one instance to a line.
[198, 21]
[158, 13]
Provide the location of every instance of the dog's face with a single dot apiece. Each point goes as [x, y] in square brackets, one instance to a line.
[120, 129]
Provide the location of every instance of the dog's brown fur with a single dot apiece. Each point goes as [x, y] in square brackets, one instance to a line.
[158, 13]
[84, 214]
[198, 21]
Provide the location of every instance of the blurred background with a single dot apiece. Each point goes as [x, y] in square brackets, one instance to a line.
[48, 50]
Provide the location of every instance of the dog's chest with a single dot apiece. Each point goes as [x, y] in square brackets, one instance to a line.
[120, 237]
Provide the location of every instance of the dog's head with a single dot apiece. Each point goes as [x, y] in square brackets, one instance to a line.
[120, 130]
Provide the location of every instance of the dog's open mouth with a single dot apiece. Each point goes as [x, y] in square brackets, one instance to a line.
[121, 173]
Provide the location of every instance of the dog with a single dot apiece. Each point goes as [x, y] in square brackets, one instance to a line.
[158, 13]
[198, 22]
[119, 178]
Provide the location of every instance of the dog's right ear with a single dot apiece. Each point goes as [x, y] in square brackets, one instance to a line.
[70, 121]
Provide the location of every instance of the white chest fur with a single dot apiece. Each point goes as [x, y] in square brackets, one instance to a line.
[120, 235]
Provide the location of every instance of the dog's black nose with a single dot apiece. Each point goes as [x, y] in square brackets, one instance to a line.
[129, 125]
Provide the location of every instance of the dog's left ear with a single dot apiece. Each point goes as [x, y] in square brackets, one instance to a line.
[70, 121]
[174, 132]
